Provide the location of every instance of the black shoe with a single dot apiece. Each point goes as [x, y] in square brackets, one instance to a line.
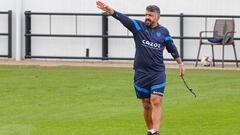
[156, 133]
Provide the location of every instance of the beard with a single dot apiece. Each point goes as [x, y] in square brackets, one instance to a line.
[148, 22]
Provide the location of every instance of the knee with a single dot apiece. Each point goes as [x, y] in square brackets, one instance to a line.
[156, 102]
[147, 106]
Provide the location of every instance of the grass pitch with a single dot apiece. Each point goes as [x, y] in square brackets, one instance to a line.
[101, 101]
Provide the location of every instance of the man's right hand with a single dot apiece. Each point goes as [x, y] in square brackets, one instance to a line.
[104, 7]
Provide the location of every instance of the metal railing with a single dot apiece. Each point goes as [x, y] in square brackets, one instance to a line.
[8, 34]
[105, 36]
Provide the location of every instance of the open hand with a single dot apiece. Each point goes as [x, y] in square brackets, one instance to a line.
[104, 7]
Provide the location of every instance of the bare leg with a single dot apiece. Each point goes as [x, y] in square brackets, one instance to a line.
[157, 114]
[147, 113]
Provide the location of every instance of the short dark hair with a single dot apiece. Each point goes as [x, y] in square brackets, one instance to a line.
[153, 8]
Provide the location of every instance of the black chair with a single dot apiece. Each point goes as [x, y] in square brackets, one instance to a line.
[223, 34]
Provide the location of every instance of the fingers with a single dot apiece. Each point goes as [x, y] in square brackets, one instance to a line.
[182, 74]
[181, 71]
[100, 4]
[104, 7]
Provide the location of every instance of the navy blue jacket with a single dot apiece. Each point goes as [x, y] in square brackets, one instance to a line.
[150, 43]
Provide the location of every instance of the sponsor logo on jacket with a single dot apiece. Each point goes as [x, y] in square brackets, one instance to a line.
[151, 44]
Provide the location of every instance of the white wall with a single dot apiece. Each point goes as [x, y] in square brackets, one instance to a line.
[5, 6]
[92, 25]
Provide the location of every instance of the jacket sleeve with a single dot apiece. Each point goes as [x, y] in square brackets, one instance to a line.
[130, 24]
[170, 46]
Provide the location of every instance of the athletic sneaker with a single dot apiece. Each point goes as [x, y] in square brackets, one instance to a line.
[156, 133]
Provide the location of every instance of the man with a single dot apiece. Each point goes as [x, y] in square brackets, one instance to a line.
[149, 79]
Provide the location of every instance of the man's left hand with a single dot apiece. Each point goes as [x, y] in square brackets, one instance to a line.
[181, 70]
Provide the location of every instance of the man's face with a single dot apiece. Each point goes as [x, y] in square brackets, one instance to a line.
[151, 19]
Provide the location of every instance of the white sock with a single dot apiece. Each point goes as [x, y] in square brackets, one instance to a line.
[152, 131]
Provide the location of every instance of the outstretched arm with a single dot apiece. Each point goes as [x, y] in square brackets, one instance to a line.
[126, 21]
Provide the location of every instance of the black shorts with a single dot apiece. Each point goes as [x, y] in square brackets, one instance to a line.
[146, 84]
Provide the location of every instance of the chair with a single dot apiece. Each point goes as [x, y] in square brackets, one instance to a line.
[223, 34]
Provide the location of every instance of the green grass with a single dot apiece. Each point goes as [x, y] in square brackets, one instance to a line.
[101, 101]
